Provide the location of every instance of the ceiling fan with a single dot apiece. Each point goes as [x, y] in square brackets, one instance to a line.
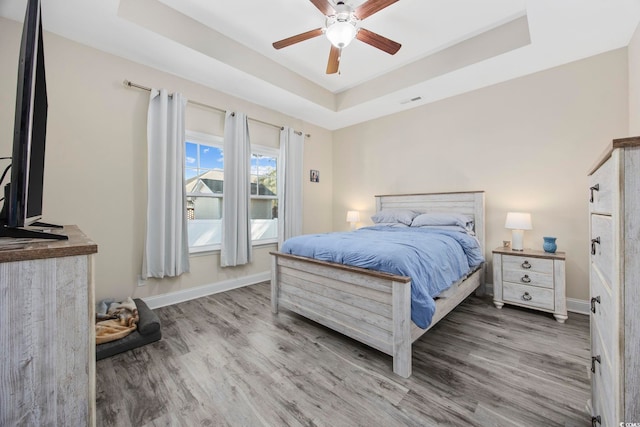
[342, 26]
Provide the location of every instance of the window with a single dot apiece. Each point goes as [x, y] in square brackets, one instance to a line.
[204, 178]
[264, 195]
[204, 166]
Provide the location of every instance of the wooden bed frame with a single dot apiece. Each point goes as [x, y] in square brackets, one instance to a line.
[370, 306]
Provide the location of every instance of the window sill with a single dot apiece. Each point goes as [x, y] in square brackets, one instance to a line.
[197, 252]
[265, 243]
[211, 250]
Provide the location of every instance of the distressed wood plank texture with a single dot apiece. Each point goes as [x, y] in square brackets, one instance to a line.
[226, 360]
[46, 334]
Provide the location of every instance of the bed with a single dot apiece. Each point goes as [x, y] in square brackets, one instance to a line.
[371, 306]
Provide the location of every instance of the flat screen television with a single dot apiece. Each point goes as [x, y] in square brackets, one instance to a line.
[23, 195]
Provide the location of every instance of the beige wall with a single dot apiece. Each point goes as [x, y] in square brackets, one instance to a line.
[634, 83]
[96, 157]
[528, 143]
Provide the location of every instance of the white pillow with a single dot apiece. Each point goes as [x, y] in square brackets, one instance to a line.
[403, 216]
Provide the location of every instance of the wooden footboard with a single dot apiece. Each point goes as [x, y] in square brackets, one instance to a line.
[371, 307]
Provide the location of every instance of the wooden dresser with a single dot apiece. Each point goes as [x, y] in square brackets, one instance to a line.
[47, 334]
[614, 208]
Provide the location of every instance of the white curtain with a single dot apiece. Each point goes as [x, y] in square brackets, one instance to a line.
[236, 195]
[290, 182]
[166, 251]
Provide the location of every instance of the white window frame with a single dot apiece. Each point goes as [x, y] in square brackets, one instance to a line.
[270, 152]
[213, 141]
[218, 142]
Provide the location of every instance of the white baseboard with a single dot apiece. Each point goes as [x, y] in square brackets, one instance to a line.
[488, 289]
[579, 306]
[157, 301]
[573, 305]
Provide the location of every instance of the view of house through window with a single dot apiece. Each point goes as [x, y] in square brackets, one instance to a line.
[204, 179]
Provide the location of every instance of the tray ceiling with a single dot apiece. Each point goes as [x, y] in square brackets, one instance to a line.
[448, 47]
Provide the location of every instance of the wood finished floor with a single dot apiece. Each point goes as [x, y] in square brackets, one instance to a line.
[225, 360]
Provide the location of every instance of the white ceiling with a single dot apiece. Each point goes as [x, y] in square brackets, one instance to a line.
[448, 46]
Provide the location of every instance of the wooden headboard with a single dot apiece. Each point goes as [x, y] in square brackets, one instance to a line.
[470, 203]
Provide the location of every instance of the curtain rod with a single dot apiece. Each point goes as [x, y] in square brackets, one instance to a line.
[148, 89]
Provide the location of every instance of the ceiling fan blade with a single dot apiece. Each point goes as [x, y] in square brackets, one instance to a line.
[371, 7]
[298, 38]
[378, 41]
[324, 6]
[334, 60]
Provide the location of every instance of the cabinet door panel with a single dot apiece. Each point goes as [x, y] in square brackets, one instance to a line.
[603, 383]
[602, 250]
[605, 317]
[603, 180]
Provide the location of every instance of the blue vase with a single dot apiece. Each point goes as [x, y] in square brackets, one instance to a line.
[549, 244]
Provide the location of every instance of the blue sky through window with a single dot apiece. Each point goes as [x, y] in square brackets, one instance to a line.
[200, 158]
[264, 164]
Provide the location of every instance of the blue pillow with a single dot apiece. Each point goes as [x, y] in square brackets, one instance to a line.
[447, 228]
[446, 219]
[403, 216]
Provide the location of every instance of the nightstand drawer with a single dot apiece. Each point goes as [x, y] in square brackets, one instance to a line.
[530, 296]
[529, 278]
[527, 264]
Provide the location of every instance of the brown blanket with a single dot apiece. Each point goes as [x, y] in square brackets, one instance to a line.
[122, 320]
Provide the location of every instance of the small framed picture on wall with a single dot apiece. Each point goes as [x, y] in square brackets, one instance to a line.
[314, 176]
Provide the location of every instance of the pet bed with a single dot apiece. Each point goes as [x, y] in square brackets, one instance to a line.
[148, 331]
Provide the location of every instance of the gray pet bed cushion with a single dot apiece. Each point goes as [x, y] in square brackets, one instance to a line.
[148, 331]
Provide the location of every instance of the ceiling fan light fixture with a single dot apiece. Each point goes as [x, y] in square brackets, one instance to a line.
[340, 33]
[342, 25]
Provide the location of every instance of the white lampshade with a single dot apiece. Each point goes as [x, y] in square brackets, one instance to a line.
[353, 216]
[341, 33]
[517, 222]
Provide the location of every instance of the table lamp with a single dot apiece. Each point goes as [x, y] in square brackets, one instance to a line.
[518, 222]
[352, 218]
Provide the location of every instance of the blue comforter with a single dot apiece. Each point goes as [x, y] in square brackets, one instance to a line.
[433, 258]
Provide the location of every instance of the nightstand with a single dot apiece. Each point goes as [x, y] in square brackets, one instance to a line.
[530, 278]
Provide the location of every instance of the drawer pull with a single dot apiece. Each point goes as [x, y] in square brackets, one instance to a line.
[592, 189]
[593, 245]
[526, 296]
[595, 420]
[525, 265]
[525, 279]
[594, 359]
[594, 300]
